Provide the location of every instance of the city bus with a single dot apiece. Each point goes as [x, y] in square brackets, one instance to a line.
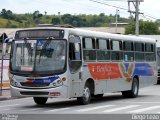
[58, 62]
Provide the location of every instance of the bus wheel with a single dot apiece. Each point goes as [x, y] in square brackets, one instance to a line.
[85, 99]
[133, 93]
[40, 100]
[158, 82]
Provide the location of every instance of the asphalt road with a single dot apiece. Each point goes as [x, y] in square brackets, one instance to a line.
[109, 106]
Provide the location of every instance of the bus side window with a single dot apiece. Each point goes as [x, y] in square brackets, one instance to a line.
[128, 48]
[150, 54]
[89, 51]
[75, 59]
[116, 47]
[103, 52]
[139, 51]
[74, 51]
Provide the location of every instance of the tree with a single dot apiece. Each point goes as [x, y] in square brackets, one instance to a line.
[3, 13]
[56, 20]
[36, 16]
[7, 14]
[145, 28]
[67, 19]
[130, 29]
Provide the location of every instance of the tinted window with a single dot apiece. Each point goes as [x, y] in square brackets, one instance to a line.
[103, 43]
[150, 54]
[139, 46]
[116, 53]
[89, 51]
[102, 52]
[75, 61]
[116, 45]
[128, 46]
[149, 47]
[88, 43]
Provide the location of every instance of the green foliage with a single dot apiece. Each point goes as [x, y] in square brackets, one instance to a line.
[32, 19]
[7, 14]
[36, 17]
[9, 19]
[8, 23]
[56, 21]
[130, 29]
[145, 28]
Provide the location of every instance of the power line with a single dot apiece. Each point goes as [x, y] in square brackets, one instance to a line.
[136, 12]
[145, 16]
[151, 17]
[103, 3]
[108, 5]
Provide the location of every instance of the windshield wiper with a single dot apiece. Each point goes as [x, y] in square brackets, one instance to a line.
[29, 48]
[43, 51]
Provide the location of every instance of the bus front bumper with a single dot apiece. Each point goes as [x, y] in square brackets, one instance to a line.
[58, 92]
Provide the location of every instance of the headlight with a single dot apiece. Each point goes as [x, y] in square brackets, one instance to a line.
[57, 83]
[13, 83]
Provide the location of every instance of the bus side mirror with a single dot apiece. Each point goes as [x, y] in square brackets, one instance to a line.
[7, 40]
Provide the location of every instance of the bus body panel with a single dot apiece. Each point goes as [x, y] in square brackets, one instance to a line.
[145, 72]
[107, 76]
[30, 85]
[59, 92]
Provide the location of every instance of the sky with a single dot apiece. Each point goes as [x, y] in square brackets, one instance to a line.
[148, 7]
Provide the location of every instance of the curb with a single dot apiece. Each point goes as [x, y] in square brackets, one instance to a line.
[2, 99]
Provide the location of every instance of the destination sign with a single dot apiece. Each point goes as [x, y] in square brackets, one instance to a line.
[39, 33]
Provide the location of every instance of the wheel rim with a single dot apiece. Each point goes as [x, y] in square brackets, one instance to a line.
[86, 94]
[135, 88]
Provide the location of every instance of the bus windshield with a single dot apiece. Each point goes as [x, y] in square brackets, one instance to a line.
[38, 56]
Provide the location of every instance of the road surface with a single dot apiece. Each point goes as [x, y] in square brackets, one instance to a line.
[148, 102]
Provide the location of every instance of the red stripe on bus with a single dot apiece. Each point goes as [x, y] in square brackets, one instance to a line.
[104, 71]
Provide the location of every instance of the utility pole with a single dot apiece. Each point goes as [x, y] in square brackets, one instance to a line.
[137, 18]
[136, 12]
[116, 18]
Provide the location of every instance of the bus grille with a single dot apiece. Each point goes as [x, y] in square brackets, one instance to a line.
[34, 84]
[34, 93]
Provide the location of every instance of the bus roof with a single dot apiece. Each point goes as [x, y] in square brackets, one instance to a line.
[89, 33]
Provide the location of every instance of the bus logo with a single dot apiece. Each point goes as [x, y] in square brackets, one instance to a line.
[39, 43]
[127, 71]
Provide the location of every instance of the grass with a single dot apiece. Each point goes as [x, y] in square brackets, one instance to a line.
[4, 23]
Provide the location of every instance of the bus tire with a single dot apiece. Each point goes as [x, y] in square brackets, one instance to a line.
[158, 82]
[85, 99]
[40, 100]
[133, 93]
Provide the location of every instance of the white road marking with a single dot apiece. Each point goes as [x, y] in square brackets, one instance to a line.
[10, 105]
[5, 109]
[142, 102]
[94, 108]
[57, 110]
[144, 109]
[30, 109]
[120, 108]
